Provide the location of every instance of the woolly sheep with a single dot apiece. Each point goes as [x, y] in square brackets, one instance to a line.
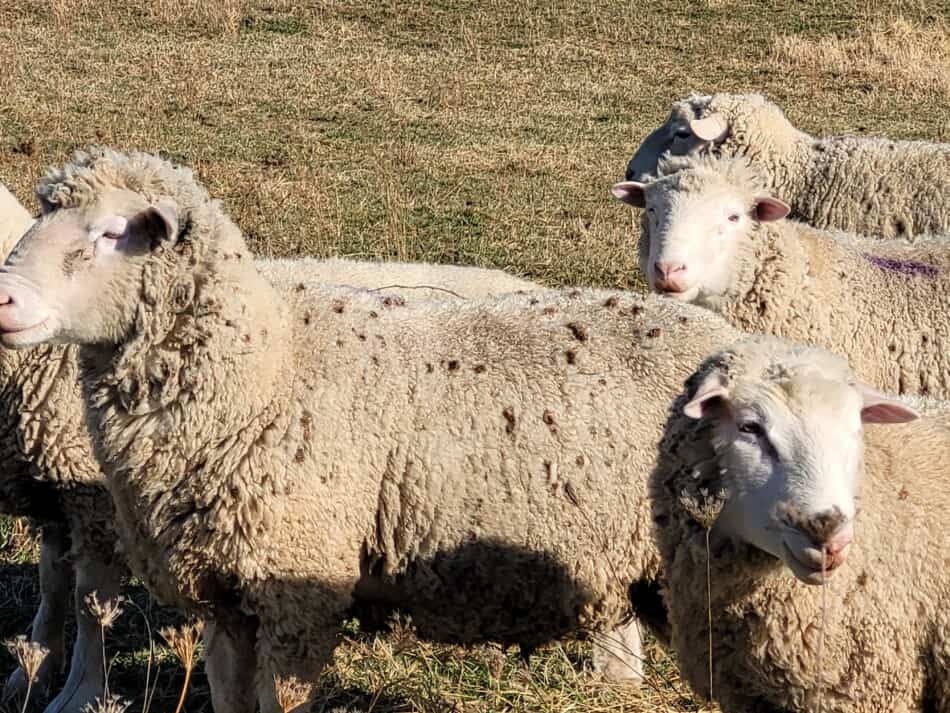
[765, 448]
[712, 235]
[873, 186]
[51, 476]
[272, 455]
[14, 220]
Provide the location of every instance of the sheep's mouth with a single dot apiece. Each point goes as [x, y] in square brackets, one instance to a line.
[806, 571]
[25, 336]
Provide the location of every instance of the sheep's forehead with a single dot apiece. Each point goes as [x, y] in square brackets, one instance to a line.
[805, 406]
[699, 182]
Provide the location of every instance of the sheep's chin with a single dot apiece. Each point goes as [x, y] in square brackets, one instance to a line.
[686, 296]
[804, 573]
[40, 333]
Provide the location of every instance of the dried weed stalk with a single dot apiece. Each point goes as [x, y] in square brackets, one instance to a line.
[705, 510]
[184, 644]
[30, 656]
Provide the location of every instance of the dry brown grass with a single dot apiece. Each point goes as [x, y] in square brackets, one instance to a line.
[889, 55]
[478, 133]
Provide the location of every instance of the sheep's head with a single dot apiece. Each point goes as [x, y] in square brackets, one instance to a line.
[700, 213]
[717, 124]
[785, 425]
[76, 276]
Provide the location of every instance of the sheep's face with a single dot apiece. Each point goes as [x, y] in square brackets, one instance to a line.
[684, 133]
[697, 224]
[790, 451]
[75, 276]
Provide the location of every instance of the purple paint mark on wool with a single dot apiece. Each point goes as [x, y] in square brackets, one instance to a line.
[903, 267]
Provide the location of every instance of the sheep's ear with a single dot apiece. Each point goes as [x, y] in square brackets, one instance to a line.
[150, 228]
[630, 192]
[711, 128]
[881, 408]
[711, 396]
[768, 209]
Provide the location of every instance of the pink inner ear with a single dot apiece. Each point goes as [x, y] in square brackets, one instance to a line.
[111, 224]
[703, 401]
[630, 192]
[768, 209]
[888, 412]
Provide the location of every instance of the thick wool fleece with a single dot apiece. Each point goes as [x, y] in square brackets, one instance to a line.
[482, 463]
[883, 304]
[14, 221]
[887, 631]
[868, 185]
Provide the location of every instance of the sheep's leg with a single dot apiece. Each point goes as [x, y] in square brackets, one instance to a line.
[231, 665]
[291, 665]
[56, 574]
[87, 669]
[618, 654]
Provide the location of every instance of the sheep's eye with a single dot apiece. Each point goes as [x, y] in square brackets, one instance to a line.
[734, 218]
[683, 133]
[651, 210]
[111, 236]
[750, 427]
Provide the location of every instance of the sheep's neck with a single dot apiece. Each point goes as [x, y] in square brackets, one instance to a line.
[770, 280]
[197, 446]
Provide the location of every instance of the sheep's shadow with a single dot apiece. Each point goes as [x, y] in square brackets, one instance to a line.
[482, 591]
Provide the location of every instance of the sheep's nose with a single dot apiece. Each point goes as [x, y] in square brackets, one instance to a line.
[832, 544]
[670, 275]
[839, 541]
[6, 299]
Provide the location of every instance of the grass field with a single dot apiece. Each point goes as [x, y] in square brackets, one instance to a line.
[470, 132]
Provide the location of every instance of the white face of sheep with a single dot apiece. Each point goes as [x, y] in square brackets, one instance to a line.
[693, 237]
[75, 276]
[791, 454]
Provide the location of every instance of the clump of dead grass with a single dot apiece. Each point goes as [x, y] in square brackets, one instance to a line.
[896, 54]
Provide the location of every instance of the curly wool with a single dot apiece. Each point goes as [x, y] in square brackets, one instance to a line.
[881, 303]
[324, 442]
[887, 634]
[869, 185]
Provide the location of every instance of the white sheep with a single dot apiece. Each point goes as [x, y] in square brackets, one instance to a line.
[14, 220]
[274, 455]
[874, 186]
[51, 476]
[764, 452]
[712, 235]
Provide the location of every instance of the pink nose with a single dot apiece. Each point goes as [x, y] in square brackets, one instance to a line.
[670, 276]
[835, 547]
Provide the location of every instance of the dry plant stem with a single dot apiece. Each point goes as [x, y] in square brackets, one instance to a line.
[184, 691]
[821, 628]
[709, 613]
[149, 692]
[416, 287]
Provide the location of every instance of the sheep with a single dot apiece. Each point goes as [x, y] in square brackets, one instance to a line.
[763, 453]
[275, 454]
[712, 235]
[50, 474]
[14, 220]
[873, 186]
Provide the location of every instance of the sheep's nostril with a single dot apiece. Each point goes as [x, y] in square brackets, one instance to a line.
[6, 299]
